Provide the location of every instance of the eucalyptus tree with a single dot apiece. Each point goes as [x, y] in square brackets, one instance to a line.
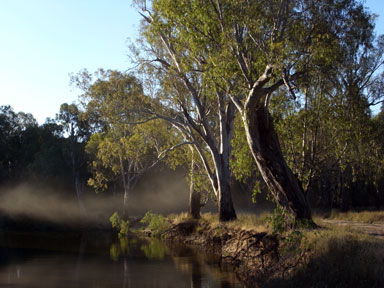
[249, 50]
[122, 146]
[199, 108]
[77, 133]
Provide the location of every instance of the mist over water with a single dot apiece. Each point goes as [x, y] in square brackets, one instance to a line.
[158, 194]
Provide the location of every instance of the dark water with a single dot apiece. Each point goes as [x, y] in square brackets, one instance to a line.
[102, 260]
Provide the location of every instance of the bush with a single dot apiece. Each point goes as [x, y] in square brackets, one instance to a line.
[156, 223]
[120, 224]
[280, 221]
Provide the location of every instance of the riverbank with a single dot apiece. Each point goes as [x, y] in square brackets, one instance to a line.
[325, 257]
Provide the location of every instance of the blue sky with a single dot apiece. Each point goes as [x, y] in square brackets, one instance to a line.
[43, 41]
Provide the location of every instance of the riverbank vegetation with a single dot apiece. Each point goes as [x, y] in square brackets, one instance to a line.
[222, 109]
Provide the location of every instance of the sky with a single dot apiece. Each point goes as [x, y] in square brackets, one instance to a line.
[42, 42]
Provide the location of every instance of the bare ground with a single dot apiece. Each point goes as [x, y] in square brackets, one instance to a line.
[376, 229]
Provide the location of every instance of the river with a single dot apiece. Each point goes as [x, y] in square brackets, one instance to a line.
[100, 259]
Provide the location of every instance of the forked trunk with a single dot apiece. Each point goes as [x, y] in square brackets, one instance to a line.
[279, 178]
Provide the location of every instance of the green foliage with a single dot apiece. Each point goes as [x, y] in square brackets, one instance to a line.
[256, 190]
[291, 242]
[120, 224]
[33, 153]
[280, 221]
[223, 47]
[288, 230]
[242, 164]
[121, 149]
[156, 223]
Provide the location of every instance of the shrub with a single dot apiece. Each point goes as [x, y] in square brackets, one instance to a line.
[120, 224]
[156, 223]
[280, 221]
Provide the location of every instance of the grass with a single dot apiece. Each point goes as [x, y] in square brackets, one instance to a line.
[358, 216]
[337, 258]
[243, 221]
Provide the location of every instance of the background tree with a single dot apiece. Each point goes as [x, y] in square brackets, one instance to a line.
[123, 145]
[77, 132]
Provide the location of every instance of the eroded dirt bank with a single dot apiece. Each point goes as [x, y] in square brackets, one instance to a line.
[254, 256]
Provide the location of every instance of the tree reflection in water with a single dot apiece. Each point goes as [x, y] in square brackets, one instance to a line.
[102, 260]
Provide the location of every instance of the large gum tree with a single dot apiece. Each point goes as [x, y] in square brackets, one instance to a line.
[194, 105]
[250, 50]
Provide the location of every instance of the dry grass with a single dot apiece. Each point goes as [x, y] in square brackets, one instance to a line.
[178, 218]
[250, 222]
[243, 221]
[337, 258]
[362, 216]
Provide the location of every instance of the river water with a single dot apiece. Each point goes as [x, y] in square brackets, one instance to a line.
[65, 259]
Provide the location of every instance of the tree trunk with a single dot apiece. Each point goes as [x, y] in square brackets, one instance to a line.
[226, 209]
[194, 203]
[76, 176]
[194, 196]
[125, 203]
[126, 188]
[79, 193]
[377, 194]
[265, 147]
[377, 198]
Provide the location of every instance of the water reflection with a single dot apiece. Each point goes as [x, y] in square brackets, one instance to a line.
[100, 260]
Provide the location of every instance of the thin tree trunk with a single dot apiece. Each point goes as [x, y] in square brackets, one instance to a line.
[126, 189]
[377, 198]
[76, 176]
[265, 148]
[377, 194]
[79, 193]
[194, 196]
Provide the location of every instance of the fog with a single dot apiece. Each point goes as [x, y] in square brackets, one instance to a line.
[159, 193]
